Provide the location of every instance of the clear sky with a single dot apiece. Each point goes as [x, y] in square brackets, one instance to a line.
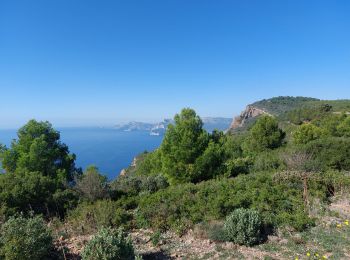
[83, 62]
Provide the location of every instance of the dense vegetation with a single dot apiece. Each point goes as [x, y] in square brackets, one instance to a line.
[252, 183]
[25, 239]
[38, 171]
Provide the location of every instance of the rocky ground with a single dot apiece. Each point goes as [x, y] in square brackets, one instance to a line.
[188, 246]
[330, 239]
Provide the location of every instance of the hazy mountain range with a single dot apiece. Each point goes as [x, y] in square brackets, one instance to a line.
[209, 123]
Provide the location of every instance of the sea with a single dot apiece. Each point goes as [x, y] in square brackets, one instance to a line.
[109, 149]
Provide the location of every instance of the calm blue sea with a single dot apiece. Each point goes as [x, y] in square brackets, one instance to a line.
[109, 149]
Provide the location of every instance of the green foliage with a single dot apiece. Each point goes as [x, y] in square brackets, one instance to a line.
[300, 109]
[307, 114]
[149, 163]
[344, 127]
[211, 175]
[38, 149]
[306, 133]
[331, 153]
[185, 205]
[233, 162]
[243, 226]
[280, 105]
[189, 154]
[221, 156]
[183, 143]
[2, 150]
[109, 244]
[87, 218]
[25, 192]
[213, 230]
[38, 169]
[330, 123]
[24, 239]
[132, 184]
[299, 221]
[232, 145]
[236, 166]
[210, 163]
[155, 238]
[336, 181]
[92, 185]
[264, 135]
[267, 161]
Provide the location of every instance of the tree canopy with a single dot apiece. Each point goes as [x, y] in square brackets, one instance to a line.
[265, 134]
[183, 143]
[38, 172]
[92, 185]
[306, 133]
[39, 149]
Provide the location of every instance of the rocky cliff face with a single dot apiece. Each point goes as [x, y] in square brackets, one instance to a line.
[248, 113]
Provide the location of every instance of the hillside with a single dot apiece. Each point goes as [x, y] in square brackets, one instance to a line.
[285, 108]
[279, 105]
[278, 191]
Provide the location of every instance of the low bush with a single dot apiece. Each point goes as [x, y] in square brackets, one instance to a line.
[332, 153]
[87, 218]
[155, 238]
[92, 185]
[109, 244]
[243, 226]
[238, 166]
[182, 206]
[33, 192]
[133, 185]
[25, 238]
[267, 161]
[213, 230]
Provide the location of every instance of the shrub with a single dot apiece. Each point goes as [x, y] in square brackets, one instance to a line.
[299, 221]
[267, 161]
[87, 218]
[24, 192]
[210, 163]
[155, 238]
[216, 231]
[148, 163]
[92, 185]
[264, 135]
[238, 166]
[213, 230]
[343, 128]
[23, 238]
[133, 185]
[243, 226]
[331, 153]
[188, 204]
[306, 133]
[109, 244]
[31, 191]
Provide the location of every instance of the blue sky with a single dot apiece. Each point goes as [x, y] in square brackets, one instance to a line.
[100, 62]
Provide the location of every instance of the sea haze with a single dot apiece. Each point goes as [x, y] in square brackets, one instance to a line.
[109, 149]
